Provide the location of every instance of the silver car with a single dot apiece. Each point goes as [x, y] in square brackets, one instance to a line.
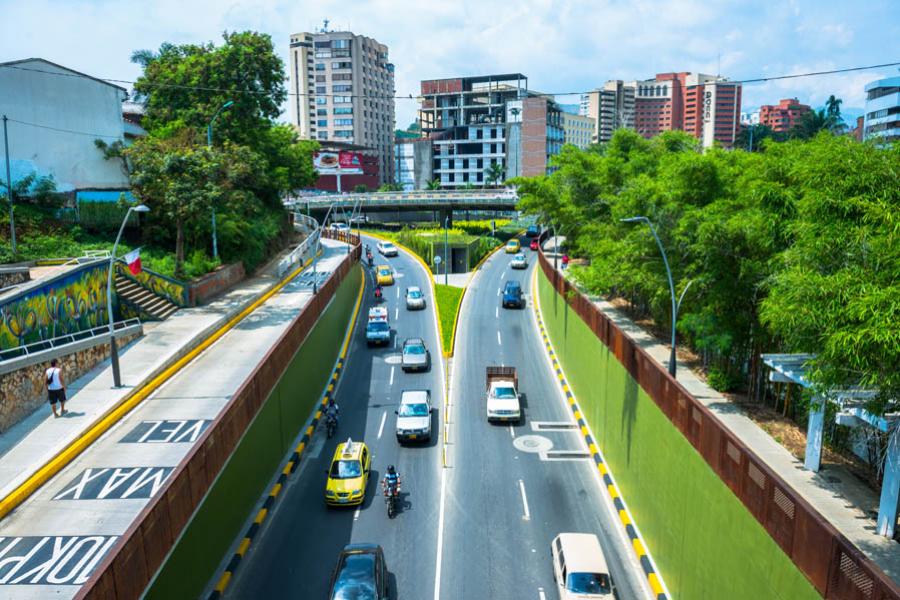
[519, 261]
[386, 248]
[415, 299]
[414, 416]
[415, 356]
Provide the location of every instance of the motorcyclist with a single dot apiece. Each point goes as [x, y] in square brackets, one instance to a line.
[332, 410]
[378, 292]
[391, 482]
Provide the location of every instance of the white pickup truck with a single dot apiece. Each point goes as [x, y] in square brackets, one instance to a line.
[502, 389]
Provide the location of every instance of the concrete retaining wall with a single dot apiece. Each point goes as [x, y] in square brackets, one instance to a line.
[213, 284]
[13, 276]
[704, 540]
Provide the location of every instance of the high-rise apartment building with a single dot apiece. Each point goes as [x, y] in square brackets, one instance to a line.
[342, 89]
[883, 110]
[783, 116]
[477, 122]
[611, 107]
[706, 106]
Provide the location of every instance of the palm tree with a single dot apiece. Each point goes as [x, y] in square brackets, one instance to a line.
[494, 174]
[434, 184]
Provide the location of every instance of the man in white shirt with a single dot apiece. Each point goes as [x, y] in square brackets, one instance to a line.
[56, 387]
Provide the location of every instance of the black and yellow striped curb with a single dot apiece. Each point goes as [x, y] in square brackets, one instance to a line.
[612, 489]
[292, 462]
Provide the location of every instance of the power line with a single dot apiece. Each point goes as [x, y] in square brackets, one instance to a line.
[93, 135]
[412, 97]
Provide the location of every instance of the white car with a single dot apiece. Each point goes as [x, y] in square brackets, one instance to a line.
[340, 227]
[386, 248]
[519, 261]
[415, 299]
[414, 416]
[502, 394]
[579, 567]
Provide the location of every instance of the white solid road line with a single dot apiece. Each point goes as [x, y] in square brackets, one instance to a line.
[392, 376]
[396, 313]
[398, 292]
[527, 515]
[498, 339]
[498, 291]
[440, 538]
[356, 513]
[497, 312]
[541, 595]
[381, 427]
[512, 432]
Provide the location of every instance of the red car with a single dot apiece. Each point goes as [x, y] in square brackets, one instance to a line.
[534, 245]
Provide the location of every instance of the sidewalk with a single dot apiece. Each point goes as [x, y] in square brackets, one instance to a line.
[38, 438]
[844, 502]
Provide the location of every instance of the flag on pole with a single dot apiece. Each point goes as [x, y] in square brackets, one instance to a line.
[133, 259]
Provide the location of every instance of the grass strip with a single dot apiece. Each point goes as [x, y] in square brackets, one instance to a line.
[447, 298]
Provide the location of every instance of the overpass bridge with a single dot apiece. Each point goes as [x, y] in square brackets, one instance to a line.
[419, 200]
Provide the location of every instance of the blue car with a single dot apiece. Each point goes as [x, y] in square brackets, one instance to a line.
[533, 231]
[512, 295]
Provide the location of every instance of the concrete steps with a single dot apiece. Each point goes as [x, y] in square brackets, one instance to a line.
[143, 299]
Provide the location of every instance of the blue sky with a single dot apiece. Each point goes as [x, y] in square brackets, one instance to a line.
[562, 45]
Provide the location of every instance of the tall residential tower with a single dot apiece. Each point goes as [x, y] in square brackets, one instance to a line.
[342, 89]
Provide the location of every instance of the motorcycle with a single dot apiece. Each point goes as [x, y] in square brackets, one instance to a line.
[378, 294]
[330, 425]
[371, 260]
[391, 495]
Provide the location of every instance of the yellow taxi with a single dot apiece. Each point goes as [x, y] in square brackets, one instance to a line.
[384, 275]
[513, 246]
[348, 475]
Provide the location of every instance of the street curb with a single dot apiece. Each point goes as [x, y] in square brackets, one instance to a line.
[648, 565]
[294, 459]
[140, 392]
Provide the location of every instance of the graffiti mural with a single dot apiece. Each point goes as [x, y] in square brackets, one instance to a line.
[171, 289]
[68, 304]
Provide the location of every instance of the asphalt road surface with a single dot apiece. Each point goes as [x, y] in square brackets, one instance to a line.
[294, 554]
[504, 505]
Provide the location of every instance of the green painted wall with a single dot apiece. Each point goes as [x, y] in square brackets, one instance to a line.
[705, 543]
[243, 481]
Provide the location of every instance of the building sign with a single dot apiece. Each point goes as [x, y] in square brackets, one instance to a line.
[166, 432]
[708, 135]
[343, 162]
[707, 105]
[51, 560]
[115, 483]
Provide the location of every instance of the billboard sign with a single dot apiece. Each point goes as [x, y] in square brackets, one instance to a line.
[333, 163]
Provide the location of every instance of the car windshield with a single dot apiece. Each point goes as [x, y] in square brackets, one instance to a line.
[384, 272]
[356, 578]
[588, 583]
[388, 246]
[505, 393]
[414, 410]
[414, 294]
[512, 288]
[414, 349]
[520, 257]
[512, 243]
[345, 469]
[378, 326]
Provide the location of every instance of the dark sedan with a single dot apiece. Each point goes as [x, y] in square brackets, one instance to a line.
[360, 574]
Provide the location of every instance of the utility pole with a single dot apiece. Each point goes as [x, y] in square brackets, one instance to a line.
[9, 196]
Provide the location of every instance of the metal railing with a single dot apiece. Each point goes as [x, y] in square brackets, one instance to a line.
[63, 340]
[834, 566]
[470, 197]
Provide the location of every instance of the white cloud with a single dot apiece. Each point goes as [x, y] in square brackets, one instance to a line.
[561, 45]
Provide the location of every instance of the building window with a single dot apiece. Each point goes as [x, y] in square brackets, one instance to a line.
[323, 135]
[343, 122]
[344, 133]
[342, 88]
[320, 66]
[342, 99]
[321, 89]
[320, 79]
[325, 44]
[493, 134]
[322, 123]
[321, 112]
[343, 110]
[340, 44]
[321, 100]
[323, 54]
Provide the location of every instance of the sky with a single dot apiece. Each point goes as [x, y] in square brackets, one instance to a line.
[560, 45]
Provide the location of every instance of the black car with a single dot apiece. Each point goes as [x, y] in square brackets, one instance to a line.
[533, 231]
[512, 295]
[360, 574]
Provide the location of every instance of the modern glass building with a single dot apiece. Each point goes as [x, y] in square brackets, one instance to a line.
[883, 110]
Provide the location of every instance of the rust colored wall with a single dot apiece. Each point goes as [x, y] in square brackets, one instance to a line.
[534, 137]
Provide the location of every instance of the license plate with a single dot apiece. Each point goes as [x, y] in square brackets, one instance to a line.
[343, 500]
[412, 436]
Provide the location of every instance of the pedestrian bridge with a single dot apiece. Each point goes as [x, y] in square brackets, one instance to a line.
[480, 199]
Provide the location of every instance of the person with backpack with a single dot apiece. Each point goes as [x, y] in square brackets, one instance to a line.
[56, 388]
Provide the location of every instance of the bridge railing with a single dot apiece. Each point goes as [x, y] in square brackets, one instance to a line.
[835, 567]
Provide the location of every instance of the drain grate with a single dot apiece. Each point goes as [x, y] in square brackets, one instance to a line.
[565, 455]
[553, 426]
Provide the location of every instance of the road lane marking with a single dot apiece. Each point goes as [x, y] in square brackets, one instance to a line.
[527, 515]
[541, 595]
[440, 538]
[356, 513]
[396, 313]
[392, 376]
[499, 342]
[381, 427]
[498, 291]
[398, 293]
[503, 276]
[497, 312]
[512, 432]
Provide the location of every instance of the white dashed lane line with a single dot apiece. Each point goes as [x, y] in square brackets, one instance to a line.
[499, 341]
[526, 516]
[381, 427]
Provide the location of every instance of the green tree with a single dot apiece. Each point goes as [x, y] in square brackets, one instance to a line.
[494, 174]
[361, 188]
[390, 187]
[434, 184]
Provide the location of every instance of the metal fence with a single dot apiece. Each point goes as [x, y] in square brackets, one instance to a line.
[127, 569]
[834, 566]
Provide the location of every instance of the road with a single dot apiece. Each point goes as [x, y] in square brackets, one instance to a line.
[504, 505]
[294, 554]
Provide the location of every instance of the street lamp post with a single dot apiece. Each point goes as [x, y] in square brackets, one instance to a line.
[209, 132]
[113, 349]
[671, 285]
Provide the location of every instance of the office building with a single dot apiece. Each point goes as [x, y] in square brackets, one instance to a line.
[783, 116]
[882, 118]
[413, 167]
[342, 88]
[578, 130]
[612, 107]
[706, 106]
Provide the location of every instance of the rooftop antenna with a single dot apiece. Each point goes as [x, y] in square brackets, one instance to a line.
[325, 25]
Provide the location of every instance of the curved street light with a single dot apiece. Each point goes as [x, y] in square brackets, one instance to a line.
[209, 132]
[675, 304]
[113, 349]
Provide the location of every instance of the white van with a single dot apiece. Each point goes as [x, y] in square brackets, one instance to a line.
[579, 567]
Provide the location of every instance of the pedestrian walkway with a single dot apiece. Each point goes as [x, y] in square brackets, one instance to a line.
[38, 438]
[844, 502]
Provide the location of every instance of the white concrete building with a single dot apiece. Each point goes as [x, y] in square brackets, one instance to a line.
[54, 116]
[883, 110]
[578, 129]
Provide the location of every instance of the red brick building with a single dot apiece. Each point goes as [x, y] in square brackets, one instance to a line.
[783, 116]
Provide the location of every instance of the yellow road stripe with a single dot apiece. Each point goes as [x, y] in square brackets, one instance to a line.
[623, 516]
[245, 543]
[613, 492]
[602, 468]
[261, 515]
[275, 489]
[638, 547]
[655, 584]
[223, 581]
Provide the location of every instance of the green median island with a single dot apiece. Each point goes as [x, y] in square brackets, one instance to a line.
[447, 298]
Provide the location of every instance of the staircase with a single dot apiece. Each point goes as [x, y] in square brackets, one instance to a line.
[143, 300]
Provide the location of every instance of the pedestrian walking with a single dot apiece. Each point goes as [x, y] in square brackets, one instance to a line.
[56, 387]
[565, 261]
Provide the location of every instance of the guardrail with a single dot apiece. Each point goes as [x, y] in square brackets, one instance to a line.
[299, 253]
[835, 567]
[129, 566]
[12, 355]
